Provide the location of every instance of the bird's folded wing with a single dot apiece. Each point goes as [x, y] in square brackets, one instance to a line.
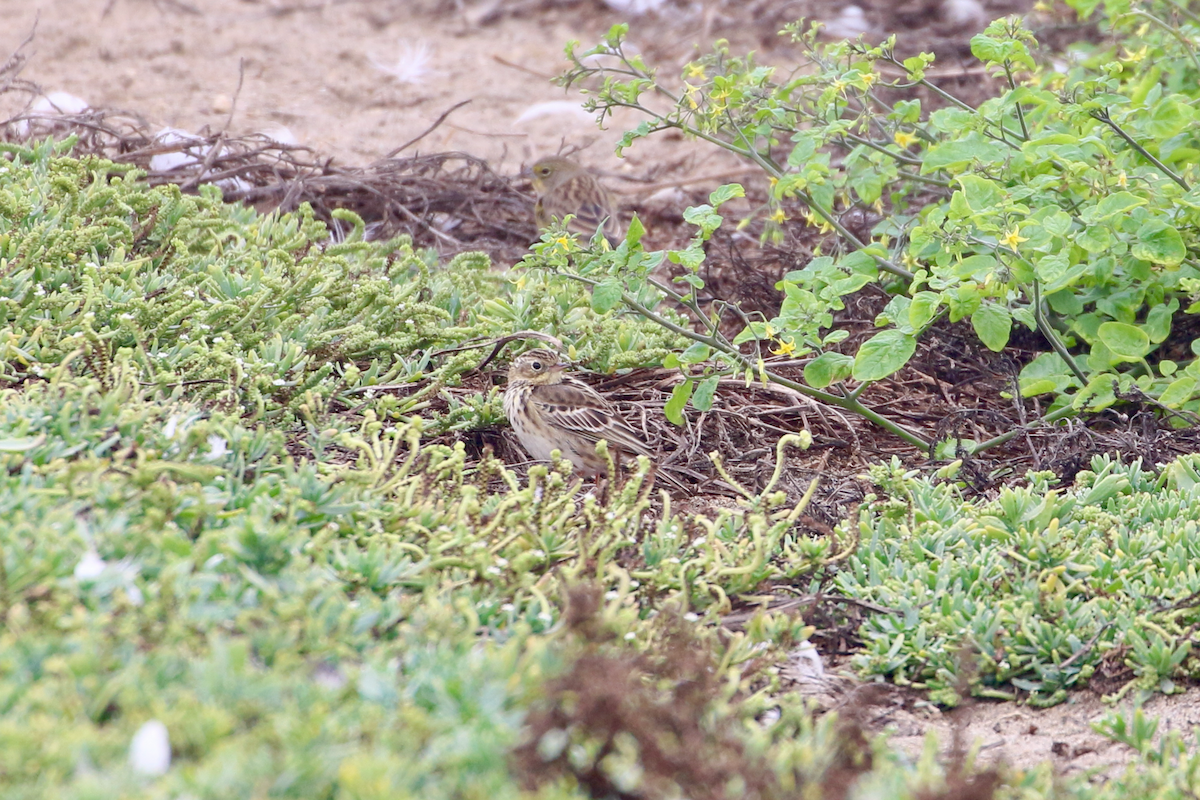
[578, 409]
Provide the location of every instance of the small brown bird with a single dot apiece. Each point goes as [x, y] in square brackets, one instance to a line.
[550, 410]
[563, 187]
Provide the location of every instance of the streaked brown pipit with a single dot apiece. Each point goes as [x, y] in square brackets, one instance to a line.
[550, 410]
[563, 188]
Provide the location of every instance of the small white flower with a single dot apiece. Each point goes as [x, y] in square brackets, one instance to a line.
[539, 553]
[691, 617]
[629, 637]
[279, 382]
[503, 562]
[150, 749]
[171, 426]
[545, 617]
[493, 571]
[699, 542]
[612, 595]
[508, 607]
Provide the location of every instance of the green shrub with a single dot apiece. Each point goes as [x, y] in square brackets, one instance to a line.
[1067, 205]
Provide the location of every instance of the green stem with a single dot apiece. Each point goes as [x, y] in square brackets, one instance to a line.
[848, 403]
[1182, 9]
[1012, 85]
[1051, 335]
[996, 441]
[1107, 120]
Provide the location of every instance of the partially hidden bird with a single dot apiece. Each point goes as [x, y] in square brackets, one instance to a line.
[551, 410]
[565, 188]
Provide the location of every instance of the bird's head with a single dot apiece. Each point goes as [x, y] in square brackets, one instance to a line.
[538, 367]
[550, 173]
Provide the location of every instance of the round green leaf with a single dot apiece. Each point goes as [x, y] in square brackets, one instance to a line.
[827, 368]
[1127, 342]
[1159, 243]
[1178, 393]
[883, 354]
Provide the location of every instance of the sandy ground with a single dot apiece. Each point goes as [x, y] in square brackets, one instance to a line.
[355, 80]
[1024, 737]
[352, 80]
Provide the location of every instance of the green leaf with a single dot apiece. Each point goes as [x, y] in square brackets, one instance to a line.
[924, 307]
[695, 354]
[679, 398]
[1057, 223]
[1046, 373]
[1158, 321]
[980, 193]
[1111, 206]
[723, 194]
[606, 294]
[1178, 392]
[1094, 239]
[635, 232]
[957, 154]
[883, 354]
[755, 330]
[1159, 243]
[703, 398]
[975, 267]
[992, 323]
[828, 368]
[1127, 342]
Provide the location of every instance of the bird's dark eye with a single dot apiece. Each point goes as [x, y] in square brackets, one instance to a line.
[537, 365]
[543, 170]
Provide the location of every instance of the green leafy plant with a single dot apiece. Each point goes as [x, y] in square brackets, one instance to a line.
[1065, 205]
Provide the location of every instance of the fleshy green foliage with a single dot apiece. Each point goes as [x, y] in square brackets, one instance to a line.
[263, 314]
[1069, 204]
[1031, 590]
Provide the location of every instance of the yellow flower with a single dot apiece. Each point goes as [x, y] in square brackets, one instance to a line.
[903, 138]
[693, 71]
[1011, 240]
[1122, 180]
[777, 216]
[1134, 57]
[786, 347]
[869, 79]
